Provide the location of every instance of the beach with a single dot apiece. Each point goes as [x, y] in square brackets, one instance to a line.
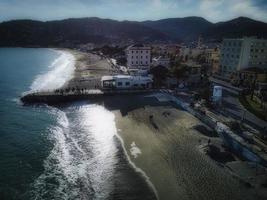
[164, 143]
[168, 148]
[89, 68]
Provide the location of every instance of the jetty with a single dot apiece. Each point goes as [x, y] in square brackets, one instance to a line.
[60, 96]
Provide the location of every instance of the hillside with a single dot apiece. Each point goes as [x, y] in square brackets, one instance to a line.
[74, 31]
[188, 28]
[84, 30]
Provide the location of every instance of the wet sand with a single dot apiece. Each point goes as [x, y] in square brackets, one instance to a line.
[167, 148]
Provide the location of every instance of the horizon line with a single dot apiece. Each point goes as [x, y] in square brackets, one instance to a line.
[192, 16]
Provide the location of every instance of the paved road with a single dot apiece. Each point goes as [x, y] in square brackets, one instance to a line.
[235, 108]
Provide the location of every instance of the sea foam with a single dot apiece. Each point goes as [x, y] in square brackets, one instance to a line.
[60, 71]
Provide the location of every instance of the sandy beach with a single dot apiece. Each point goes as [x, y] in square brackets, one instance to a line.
[169, 149]
[88, 70]
[164, 142]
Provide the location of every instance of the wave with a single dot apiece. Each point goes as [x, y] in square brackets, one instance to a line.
[60, 71]
[82, 161]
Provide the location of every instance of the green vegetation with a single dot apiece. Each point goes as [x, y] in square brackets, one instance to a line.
[178, 70]
[253, 106]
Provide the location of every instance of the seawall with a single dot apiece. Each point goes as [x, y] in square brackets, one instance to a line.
[233, 141]
[52, 98]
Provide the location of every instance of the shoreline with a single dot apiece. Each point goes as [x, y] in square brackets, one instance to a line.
[172, 153]
[80, 63]
[137, 169]
[159, 171]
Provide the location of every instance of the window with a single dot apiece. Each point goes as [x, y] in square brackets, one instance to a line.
[132, 56]
[136, 51]
[136, 56]
[141, 51]
[141, 56]
[132, 51]
[119, 83]
[127, 83]
[135, 85]
[132, 62]
[136, 62]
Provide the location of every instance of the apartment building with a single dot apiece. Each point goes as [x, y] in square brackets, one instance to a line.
[138, 56]
[212, 59]
[239, 54]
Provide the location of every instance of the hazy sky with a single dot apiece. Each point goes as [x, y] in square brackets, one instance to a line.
[213, 10]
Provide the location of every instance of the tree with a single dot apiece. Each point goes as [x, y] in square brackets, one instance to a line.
[178, 70]
[159, 74]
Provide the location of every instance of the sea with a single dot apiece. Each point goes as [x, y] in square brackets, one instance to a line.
[67, 152]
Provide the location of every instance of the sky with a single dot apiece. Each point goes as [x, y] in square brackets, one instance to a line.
[138, 10]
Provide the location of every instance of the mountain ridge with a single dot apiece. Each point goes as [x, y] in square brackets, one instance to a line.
[27, 32]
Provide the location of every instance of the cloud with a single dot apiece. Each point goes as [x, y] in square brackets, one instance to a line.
[217, 10]
[213, 10]
[247, 8]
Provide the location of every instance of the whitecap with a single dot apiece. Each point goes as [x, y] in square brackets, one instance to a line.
[60, 71]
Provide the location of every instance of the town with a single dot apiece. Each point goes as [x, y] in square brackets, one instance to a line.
[223, 84]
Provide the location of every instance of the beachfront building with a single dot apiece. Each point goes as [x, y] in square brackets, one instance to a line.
[138, 57]
[239, 54]
[126, 82]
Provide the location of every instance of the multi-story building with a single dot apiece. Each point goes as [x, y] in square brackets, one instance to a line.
[239, 54]
[212, 59]
[138, 56]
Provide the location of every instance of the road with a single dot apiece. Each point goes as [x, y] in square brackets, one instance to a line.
[235, 108]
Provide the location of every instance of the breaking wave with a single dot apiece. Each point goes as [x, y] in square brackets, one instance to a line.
[82, 161]
[60, 71]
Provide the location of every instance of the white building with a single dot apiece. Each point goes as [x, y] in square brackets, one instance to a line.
[161, 60]
[138, 56]
[238, 54]
[126, 82]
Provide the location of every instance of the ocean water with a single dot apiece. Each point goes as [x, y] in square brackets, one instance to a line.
[71, 152]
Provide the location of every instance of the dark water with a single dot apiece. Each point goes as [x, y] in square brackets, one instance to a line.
[70, 152]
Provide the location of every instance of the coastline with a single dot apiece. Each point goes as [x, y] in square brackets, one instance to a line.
[89, 68]
[170, 151]
[163, 148]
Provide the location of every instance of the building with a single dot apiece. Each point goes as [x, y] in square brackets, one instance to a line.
[161, 60]
[190, 53]
[126, 82]
[138, 56]
[165, 49]
[213, 59]
[247, 76]
[239, 54]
